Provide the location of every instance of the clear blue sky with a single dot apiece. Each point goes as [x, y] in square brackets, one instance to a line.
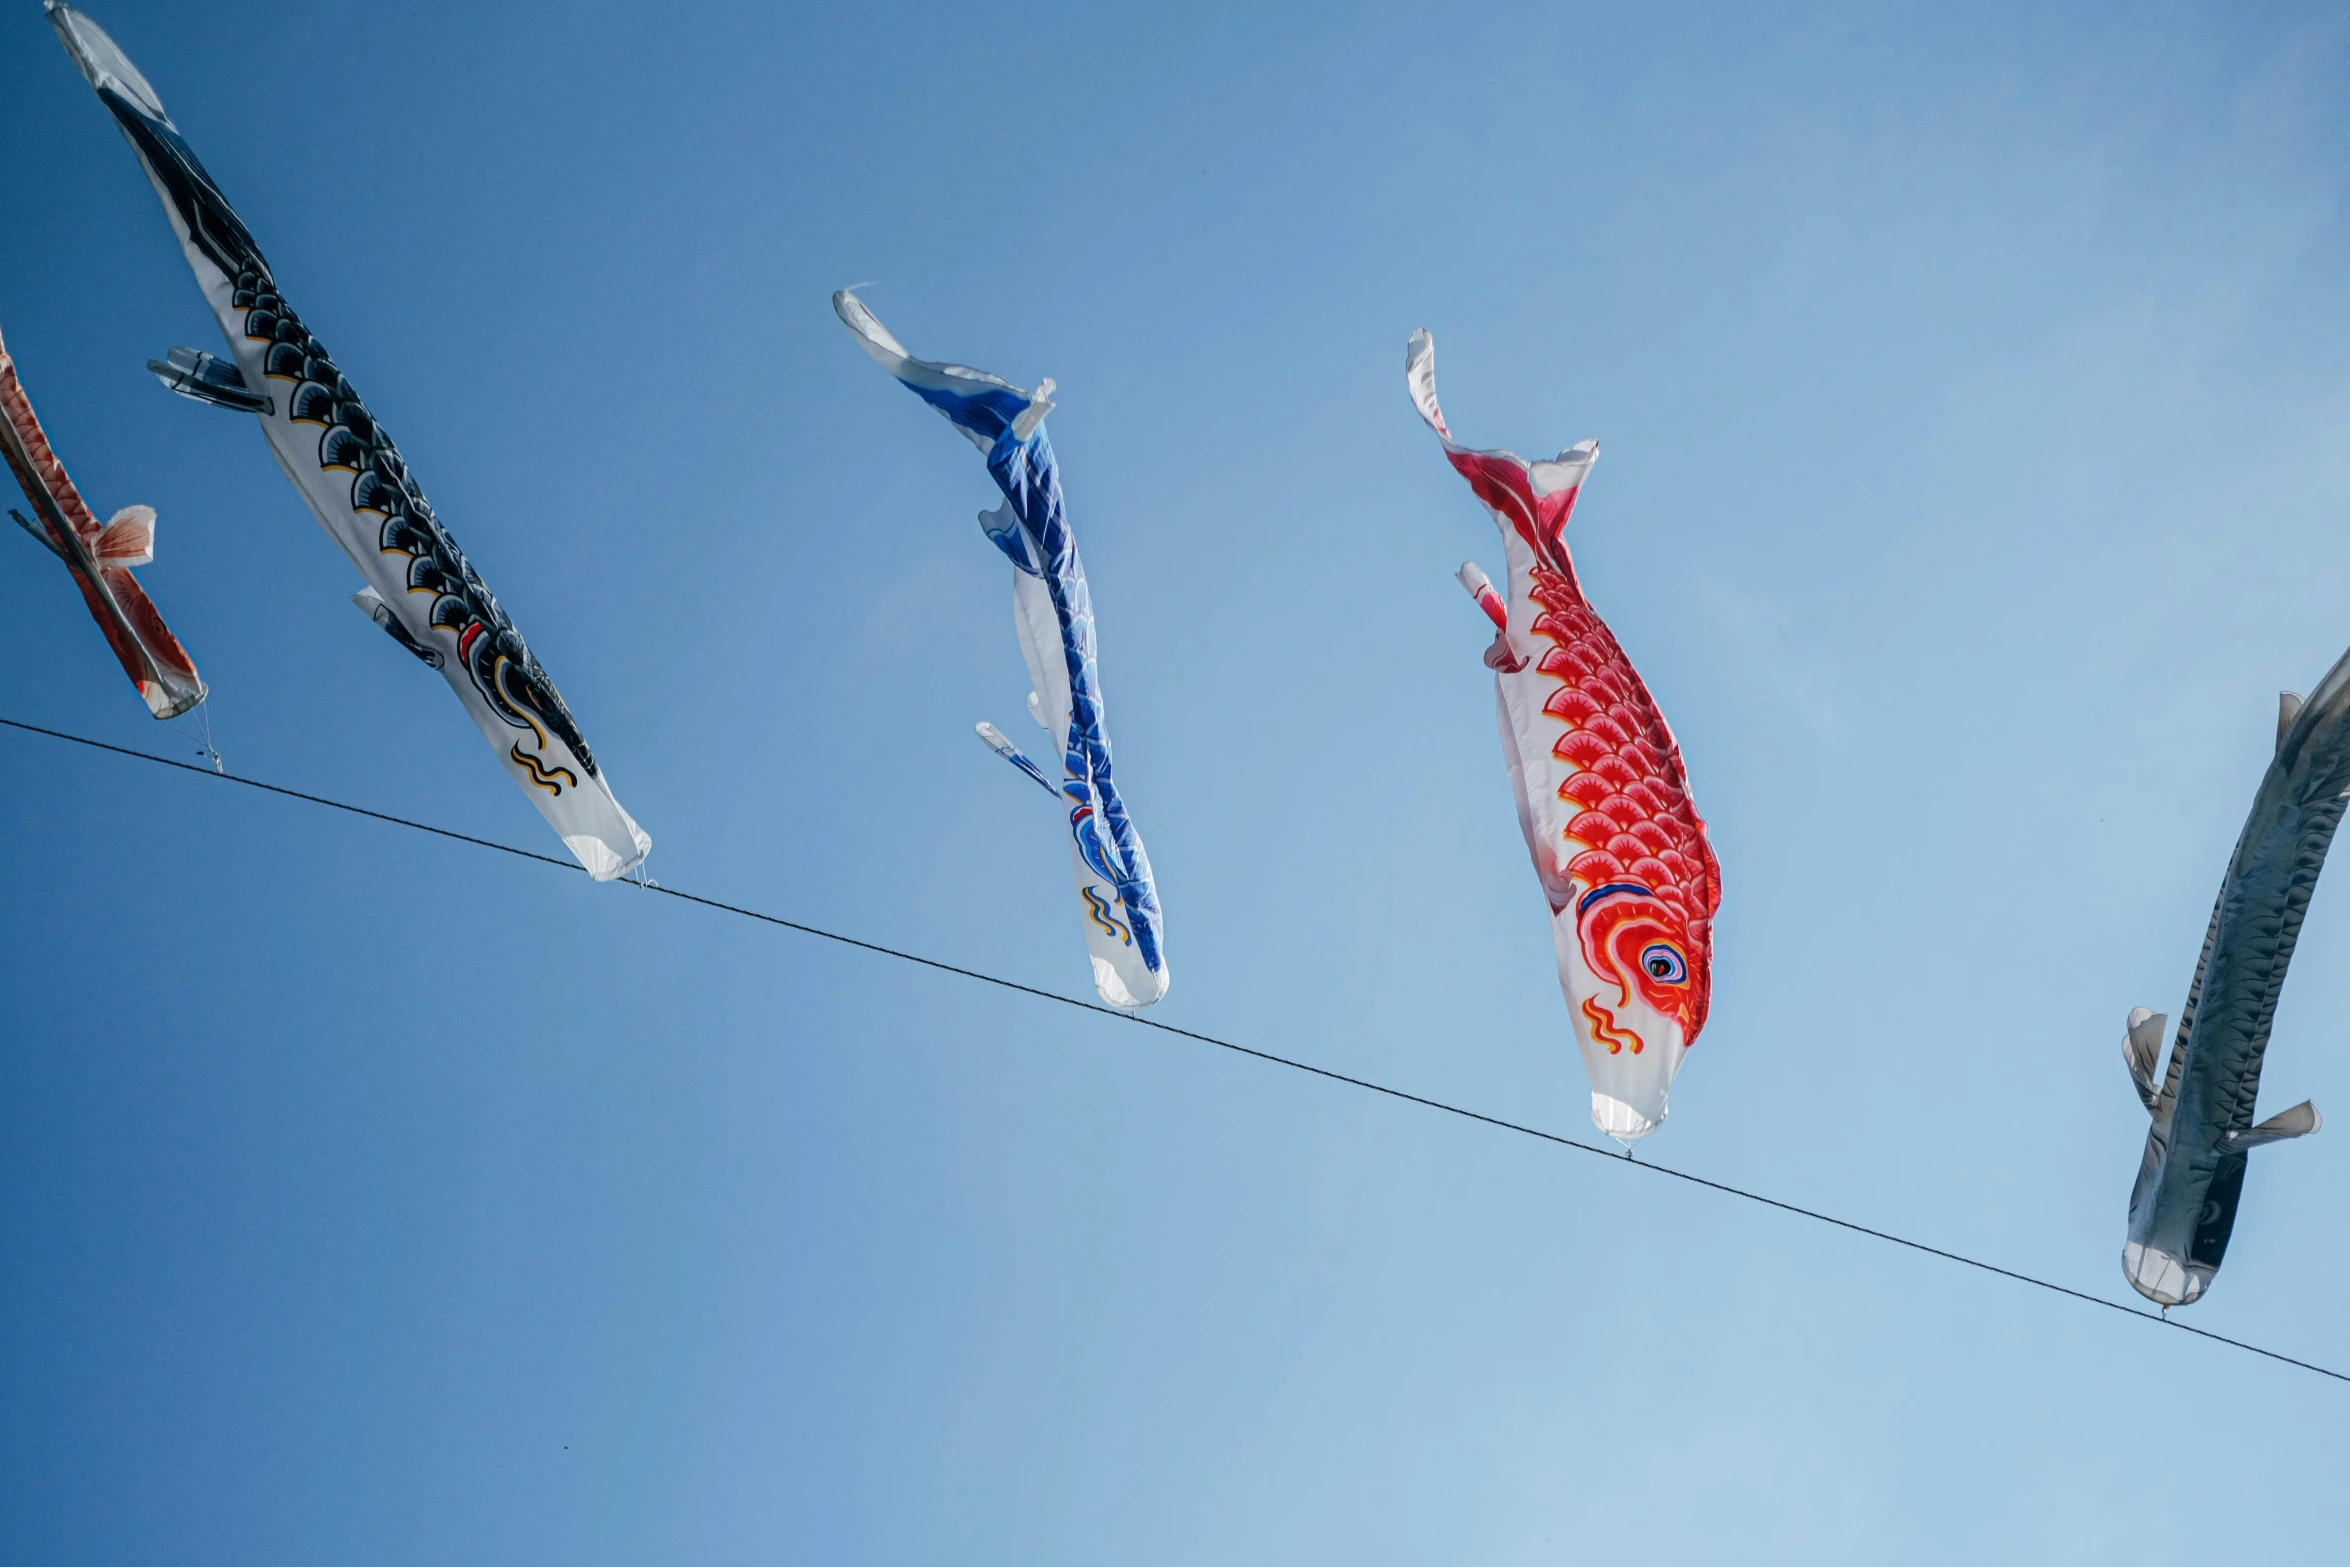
[1974, 388]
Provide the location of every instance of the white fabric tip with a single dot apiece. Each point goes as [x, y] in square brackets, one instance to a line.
[1565, 471]
[1113, 990]
[598, 859]
[1620, 1121]
[1039, 404]
[102, 62]
[870, 332]
[1419, 372]
[2163, 1278]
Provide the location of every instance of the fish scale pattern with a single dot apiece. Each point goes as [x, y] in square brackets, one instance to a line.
[46, 470]
[492, 650]
[1635, 819]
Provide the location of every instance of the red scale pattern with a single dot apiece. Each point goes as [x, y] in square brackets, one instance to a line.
[1635, 821]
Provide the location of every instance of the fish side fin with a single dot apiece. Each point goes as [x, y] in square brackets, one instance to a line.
[2288, 709]
[40, 533]
[371, 605]
[2299, 1121]
[1502, 656]
[1003, 530]
[1472, 577]
[1036, 711]
[128, 539]
[2142, 1052]
[1040, 403]
[206, 379]
[993, 738]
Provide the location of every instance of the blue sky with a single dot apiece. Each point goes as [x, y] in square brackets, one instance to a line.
[1973, 391]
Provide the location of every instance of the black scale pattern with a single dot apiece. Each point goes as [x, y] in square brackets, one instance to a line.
[500, 663]
[495, 656]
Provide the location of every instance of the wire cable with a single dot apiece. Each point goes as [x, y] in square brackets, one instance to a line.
[1267, 1056]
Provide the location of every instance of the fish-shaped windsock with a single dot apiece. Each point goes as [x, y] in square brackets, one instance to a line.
[1602, 796]
[1052, 610]
[420, 587]
[99, 555]
[2191, 1174]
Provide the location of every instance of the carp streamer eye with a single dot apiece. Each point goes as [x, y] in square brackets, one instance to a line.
[1664, 963]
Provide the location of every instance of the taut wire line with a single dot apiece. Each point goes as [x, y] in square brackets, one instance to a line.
[1266, 1056]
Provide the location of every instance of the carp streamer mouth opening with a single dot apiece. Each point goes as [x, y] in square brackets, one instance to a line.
[1554, 1139]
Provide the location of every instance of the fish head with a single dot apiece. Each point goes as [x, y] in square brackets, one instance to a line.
[1655, 973]
[2182, 1212]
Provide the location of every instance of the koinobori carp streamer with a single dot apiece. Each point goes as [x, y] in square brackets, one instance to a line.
[1602, 796]
[1052, 611]
[420, 588]
[2191, 1172]
[99, 555]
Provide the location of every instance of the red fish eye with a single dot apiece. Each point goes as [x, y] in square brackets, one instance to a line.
[1664, 963]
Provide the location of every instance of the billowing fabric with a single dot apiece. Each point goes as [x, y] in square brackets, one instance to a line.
[2191, 1175]
[99, 555]
[1052, 611]
[420, 587]
[1602, 796]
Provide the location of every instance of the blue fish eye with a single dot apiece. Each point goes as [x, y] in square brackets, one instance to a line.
[1664, 963]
